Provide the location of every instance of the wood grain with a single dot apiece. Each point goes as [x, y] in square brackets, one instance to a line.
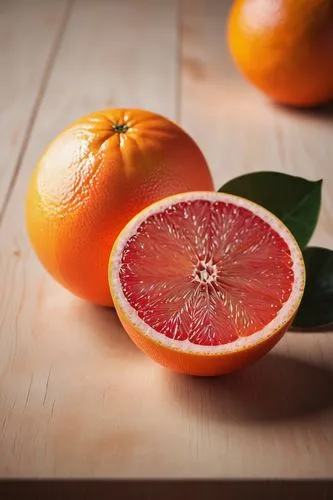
[29, 36]
[77, 398]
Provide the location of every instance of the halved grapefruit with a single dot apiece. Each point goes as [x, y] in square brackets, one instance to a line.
[206, 283]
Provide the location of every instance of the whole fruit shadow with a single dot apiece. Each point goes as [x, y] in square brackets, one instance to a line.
[315, 329]
[278, 388]
[322, 112]
[107, 330]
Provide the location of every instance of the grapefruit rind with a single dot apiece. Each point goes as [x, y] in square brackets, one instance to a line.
[283, 317]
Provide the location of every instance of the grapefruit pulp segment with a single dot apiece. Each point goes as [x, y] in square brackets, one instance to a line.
[206, 273]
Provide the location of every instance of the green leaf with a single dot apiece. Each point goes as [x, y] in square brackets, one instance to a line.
[296, 201]
[316, 308]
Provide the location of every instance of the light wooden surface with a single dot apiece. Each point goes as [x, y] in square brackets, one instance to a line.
[29, 35]
[77, 397]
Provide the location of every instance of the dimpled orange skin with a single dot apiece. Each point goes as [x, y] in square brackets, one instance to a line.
[92, 179]
[285, 48]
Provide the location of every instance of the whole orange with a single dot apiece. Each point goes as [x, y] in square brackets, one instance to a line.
[92, 179]
[285, 48]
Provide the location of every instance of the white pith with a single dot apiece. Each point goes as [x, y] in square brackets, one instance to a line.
[285, 313]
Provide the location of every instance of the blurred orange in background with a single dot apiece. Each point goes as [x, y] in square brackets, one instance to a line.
[285, 48]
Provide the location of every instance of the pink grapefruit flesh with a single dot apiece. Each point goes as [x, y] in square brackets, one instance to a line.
[204, 272]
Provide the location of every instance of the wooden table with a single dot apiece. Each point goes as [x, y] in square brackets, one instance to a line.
[77, 397]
